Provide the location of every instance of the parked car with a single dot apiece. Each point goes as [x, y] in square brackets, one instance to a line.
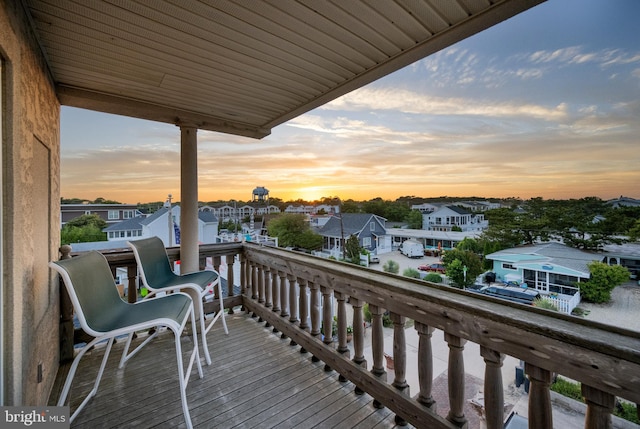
[438, 268]
[374, 259]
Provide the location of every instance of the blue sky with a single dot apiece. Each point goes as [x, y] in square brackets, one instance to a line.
[544, 104]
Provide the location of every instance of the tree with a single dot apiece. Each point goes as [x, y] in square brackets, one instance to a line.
[462, 267]
[604, 278]
[352, 249]
[83, 229]
[391, 267]
[293, 230]
[414, 219]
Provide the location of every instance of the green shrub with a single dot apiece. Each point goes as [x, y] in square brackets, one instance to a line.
[567, 388]
[627, 411]
[433, 278]
[411, 272]
[391, 267]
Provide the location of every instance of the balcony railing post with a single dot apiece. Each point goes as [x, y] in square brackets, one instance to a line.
[327, 315]
[399, 359]
[342, 323]
[254, 280]
[284, 295]
[66, 314]
[304, 305]
[358, 337]
[132, 284]
[456, 380]
[425, 365]
[261, 290]
[493, 388]
[599, 408]
[293, 301]
[315, 309]
[230, 278]
[377, 346]
[275, 285]
[540, 415]
[268, 288]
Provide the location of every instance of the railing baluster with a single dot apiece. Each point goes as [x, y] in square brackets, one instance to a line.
[425, 365]
[493, 388]
[456, 380]
[327, 318]
[315, 309]
[377, 346]
[284, 295]
[275, 285]
[358, 337]
[304, 306]
[231, 259]
[399, 359]
[540, 416]
[293, 301]
[267, 287]
[261, 299]
[342, 324]
[599, 408]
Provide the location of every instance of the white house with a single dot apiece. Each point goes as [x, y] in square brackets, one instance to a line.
[168, 230]
[446, 217]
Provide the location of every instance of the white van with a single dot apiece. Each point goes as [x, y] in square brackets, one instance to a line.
[412, 249]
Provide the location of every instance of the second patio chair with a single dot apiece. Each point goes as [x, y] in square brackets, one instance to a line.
[105, 316]
[157, 276]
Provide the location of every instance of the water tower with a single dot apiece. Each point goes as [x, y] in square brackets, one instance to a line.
[260, 194]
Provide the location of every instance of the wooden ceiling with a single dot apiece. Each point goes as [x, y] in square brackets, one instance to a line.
[241, 66]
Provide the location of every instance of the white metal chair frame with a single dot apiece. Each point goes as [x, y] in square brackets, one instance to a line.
[157, 276]
[105, 316]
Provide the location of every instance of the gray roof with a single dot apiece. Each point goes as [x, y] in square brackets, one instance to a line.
[126, 225]
[352, 223]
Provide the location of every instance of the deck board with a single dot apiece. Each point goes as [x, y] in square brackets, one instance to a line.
[256, 380]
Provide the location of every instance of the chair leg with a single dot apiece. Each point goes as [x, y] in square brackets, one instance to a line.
[203, 332]
[184, 376]
[222, 312]
[72, 372]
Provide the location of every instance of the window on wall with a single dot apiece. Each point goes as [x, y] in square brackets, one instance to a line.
[372, 226]
[127, 214]
[366, 242]
[508, 267]
[114, 214]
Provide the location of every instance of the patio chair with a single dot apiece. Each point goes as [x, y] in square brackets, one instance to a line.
[157, 276]
[105, 316]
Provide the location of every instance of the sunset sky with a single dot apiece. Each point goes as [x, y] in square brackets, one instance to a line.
[545, 104]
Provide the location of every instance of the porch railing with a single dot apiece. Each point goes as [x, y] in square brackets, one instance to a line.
[294, 292]
[286, 288]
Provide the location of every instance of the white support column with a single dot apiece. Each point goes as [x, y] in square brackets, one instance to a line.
[189, 250]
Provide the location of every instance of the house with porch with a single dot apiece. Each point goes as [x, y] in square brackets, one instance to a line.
[368, 228]
[553, 269]
[445, 218]
[181, 65]
[110, 213]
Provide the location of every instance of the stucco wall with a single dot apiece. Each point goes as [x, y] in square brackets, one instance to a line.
[30, 191]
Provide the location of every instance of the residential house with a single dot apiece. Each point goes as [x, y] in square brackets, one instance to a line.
[158, 224]
[447, 217]
[624, 202]
[368, 228]
[425, 207]
[555, 270]
[110, 213]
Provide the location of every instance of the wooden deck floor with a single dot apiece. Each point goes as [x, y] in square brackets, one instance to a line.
[256, 380]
